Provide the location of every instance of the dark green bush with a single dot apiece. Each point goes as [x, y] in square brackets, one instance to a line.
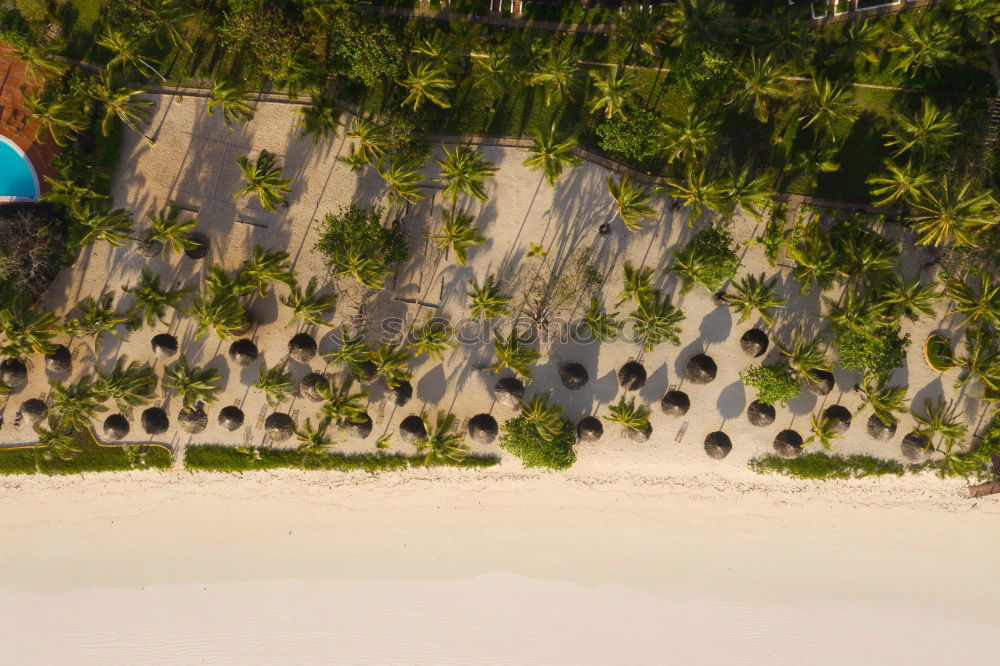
[218, 458]
[775, 383]
[521, 438]
[879, 353]
[637, 136]
[824, 466]
[359, 230]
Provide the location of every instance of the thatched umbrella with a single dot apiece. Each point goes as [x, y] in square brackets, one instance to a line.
[754, 342]
[361, 429]
[788, 444]
[412, 428]
[573, 376]
[483, 429]
[245, 329]
[164, 346]
[589, 429]
[13, 372]
[824, 384]
[243, 352]
[60, 361]
[640, 435]
[231, 418]
[34, 410]
[403, 392]
[675, 403]
[509, 391]
[700, 369]
[718, 445]
[279, 426]
[116, 426]
[302, 347]
[915, 447]
[155, 421]
[878, 430]
[632, 376]
[760, 414]
[839, 418]
[192, 420]
[313, 385]
[365, 371]
[200, 250]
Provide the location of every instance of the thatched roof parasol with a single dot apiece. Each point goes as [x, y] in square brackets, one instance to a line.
[243, 352]
[760, 414]
[34, 410]
[632, 376]
[279, 426]
[164, 346]
[199, 251]
[302, 347]
[509, 391]
[589, 429]
[247, 326]
[60, 361]
[640, 435]
[116, 426]
[915, 447]
[788, 444]
[718, 445]
[313, 385]
[880, 431]
[361, 429]
[13, 372]
[231, 418]
[154, 421]
[403, 392]
[365, 372]
[839, 417]
[823, 386]
[700, 369]
[412, 428]
[675, 403]
[573, 376]
[192, 420]
[754, 342]
[483, 428]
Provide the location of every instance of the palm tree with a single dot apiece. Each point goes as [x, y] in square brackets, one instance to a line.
[231, 99]
[96, 317]
[363, 267]
[403, 179]
[860, 40]
[926, 44]
[320, 119]
[217, 310]
[804, 357]
[741, 192]
[426, 81]
[296, 71]
[486, 301]
[431, 340]
[601, 326]
[628, 416]
[391, 363]
[167, 228]
[61, 117]
[695, 21]
[754, 293]
[111, 226]
[636, 284]
[947, 214]
[191, 384]
[121, 103]
[464, 171]
[856, 312]
[907, 299]
[371, 141]
[152, 299]
[546, 417]
[656, 320]
[307, 305]
[512, 353]
[631, 201]
[25, 329]
[492, 75]
[926, 132]
[760, 83]
[457, 233]
[828, 105]
[263, 268]
[813, 259]
[41, 61]
[352, 351]
[824, 430]
[440, 443]
[126, 54]
[902, 183]
[863, 256]
[169, 16]
[551, 154]
[555, 73]
[640, 28]
[129, 384]
[438, 48]
[342, 406]
[699, 191]
[56, 441]
[263, 178]
[614, 87]
[65, 191]
[981, 359]
[774, 239]
[693, 264]
[76, 403]
[692, 135]
[940, 417]
[313, 440]
[979, 305]
[885, 400]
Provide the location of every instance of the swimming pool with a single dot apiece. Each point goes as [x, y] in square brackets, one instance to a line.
[18, 181]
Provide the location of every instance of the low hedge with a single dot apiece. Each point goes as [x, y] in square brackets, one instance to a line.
[218, 458]
[92, 457]
[824, 466]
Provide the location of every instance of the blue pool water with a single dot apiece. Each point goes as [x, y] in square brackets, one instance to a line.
[16, 177]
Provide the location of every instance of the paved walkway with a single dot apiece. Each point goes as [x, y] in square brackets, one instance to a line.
[15, 121]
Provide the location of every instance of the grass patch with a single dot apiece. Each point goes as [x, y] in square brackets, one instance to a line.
[824, 466]
[218, 458]
[92, 457]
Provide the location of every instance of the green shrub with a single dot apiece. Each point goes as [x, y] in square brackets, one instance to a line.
[775, 382]
[363, 49]
[824, 466]
[521, 437]
[879, 353]
[708, 259]
[218, 458]
[638, 136]
[358, 232]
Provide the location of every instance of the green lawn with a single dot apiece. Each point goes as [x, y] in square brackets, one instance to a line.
[92, 457]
